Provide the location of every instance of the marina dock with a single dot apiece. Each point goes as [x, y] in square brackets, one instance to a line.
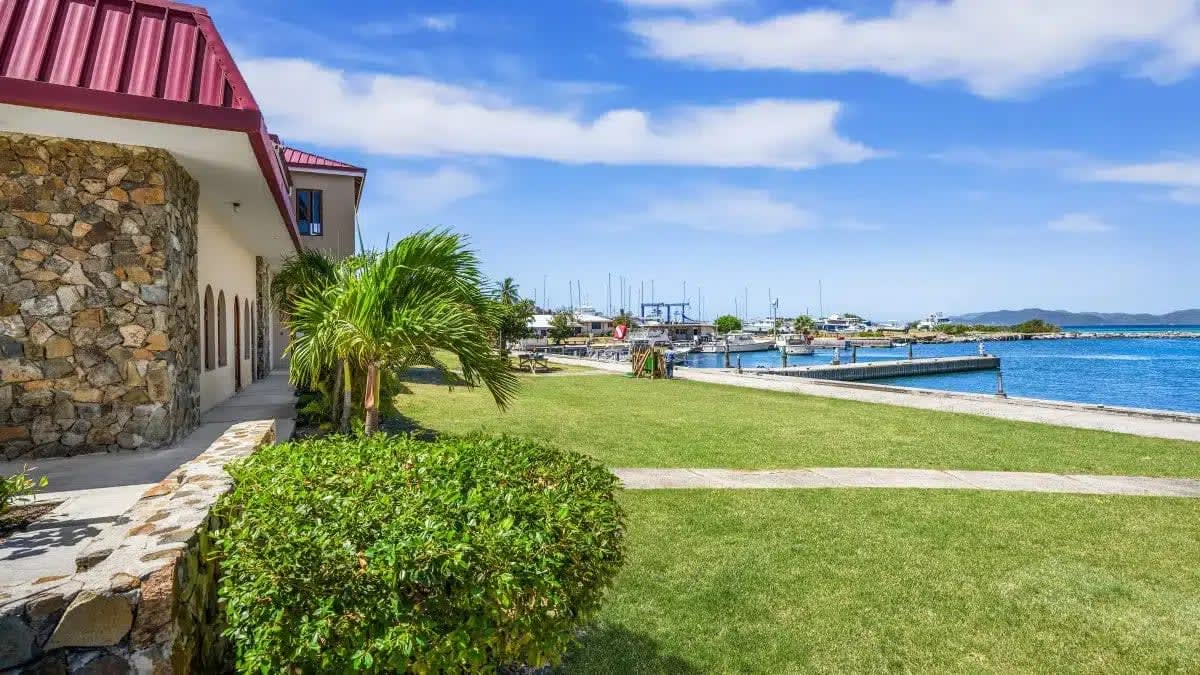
[856, 372]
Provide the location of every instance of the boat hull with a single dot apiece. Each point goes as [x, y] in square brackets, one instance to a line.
[719, 347]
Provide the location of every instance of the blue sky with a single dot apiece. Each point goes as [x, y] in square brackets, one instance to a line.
[913, 157]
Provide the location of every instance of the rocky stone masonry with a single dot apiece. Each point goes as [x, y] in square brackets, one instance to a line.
[146, 602]
[262, 318]
[99, 316]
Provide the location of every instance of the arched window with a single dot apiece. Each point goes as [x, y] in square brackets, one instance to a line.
[222, 333]
[210, 344]
[249, 334]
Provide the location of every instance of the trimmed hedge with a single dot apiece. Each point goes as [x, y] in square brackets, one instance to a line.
[390, 554]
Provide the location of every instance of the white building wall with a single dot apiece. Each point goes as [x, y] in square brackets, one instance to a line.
[224, 265]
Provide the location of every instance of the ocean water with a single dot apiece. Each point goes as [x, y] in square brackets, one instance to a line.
[1161, 373]
[1132, 328]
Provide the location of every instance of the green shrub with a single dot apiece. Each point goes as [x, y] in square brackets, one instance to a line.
[390, 554]
[18, 485]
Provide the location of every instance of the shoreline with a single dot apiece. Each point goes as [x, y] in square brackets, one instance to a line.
[1156, 423]
[1065, 335]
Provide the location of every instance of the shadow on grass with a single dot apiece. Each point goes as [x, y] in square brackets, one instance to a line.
[427, 375]
[400, 425]
[606, 648]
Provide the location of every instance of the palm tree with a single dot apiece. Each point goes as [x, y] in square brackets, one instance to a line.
[508, 296]
[507, 292]
[301, 272]
[395, 310]
[803, 324]
[307, 272]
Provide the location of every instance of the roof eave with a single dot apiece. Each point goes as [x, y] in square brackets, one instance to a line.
[65, 98]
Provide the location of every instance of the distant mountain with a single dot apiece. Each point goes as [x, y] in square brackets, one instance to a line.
[1060, 317]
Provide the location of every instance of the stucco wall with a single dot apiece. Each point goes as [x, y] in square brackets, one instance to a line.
[224, 265]
[98, 314]
[339, 210]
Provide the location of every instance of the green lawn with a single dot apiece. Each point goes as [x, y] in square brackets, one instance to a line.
[890, 580]
[631, 423]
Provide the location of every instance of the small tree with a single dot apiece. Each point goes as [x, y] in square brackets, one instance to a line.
[562, 326]
[513, 323]
[803, 324]
[623, 318]
[728, 324]
[1036, 326]
[512, 314]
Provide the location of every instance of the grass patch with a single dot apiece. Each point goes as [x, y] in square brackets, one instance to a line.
[644, 423]
[885, 580]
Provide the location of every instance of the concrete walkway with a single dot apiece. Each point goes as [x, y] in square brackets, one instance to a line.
[1009, 481]
[1158, 424]
[96, 489]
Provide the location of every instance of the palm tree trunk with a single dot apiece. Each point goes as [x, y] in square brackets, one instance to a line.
[371, 400]
[334, 411]
[347, 397]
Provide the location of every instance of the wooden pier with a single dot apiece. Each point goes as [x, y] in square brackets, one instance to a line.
[874, 370]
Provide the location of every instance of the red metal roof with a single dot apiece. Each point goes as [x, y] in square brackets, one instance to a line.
[152, 48]
[152, 60]
[307, 160]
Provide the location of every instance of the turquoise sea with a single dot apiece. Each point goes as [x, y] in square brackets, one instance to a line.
[1161, 373]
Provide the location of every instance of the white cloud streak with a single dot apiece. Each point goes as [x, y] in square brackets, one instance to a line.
[419, 117]
[687, 5]
[997, 48]
[427, 192]
[726, 209]
[1079, 223]
[1178, 173]
[436, 23]
[1185, 196]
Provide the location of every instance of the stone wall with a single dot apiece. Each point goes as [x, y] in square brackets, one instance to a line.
[99, 343]
[145, 602]
[262, 320]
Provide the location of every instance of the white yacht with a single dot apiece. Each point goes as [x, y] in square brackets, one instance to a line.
[794, 344]
[736, 342]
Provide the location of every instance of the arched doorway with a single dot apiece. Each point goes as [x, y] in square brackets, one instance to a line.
[237, 345]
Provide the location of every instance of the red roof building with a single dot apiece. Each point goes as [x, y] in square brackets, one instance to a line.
[138, 180]
[145, 60]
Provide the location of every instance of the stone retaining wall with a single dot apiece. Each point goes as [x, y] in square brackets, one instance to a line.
[262, 319]
[148, 604]
[99, 314]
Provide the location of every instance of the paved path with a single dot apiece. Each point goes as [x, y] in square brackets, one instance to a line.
[1012, 481]
[1159, 424]
[96, 489]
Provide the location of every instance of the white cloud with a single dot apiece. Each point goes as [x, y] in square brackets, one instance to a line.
[440, 22]
[1178, 173]
[1079, 223]
[419, 117]
[690, 5]
[437, 23]
[426, 192]
[726, 209]
[998, 48]
[1014, 159]
[1185, 196]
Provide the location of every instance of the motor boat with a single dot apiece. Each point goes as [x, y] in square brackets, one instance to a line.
[735, 343]
[794, 345]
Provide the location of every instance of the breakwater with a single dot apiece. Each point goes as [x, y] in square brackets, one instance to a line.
[857, 372]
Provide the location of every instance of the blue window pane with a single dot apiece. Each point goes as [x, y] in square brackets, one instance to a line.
[309, 211]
